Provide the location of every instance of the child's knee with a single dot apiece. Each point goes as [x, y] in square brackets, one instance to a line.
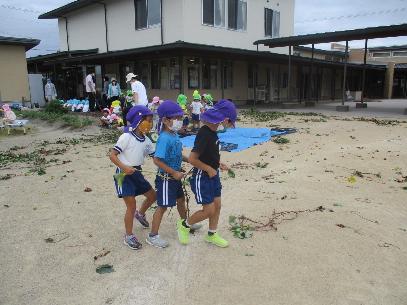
[210, 210]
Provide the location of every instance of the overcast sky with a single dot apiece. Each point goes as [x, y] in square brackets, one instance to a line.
[18, 18]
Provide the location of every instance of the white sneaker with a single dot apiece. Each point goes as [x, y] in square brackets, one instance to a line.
[157, 241]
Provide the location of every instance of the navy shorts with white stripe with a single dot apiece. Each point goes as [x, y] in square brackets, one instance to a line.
[168, 191]
[204, 188]
[133, 185]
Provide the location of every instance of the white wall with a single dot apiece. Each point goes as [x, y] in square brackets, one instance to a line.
[182, 20]
[195, 32]
[86, 29]
[122, 33]
[62, 34]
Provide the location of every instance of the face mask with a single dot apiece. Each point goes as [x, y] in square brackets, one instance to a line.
[176, 125]
[145, 127]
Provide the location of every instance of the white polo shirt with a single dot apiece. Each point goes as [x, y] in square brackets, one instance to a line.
[139, 88]
[132, 149]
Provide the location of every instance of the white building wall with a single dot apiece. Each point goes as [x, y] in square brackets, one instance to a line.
[182, 21]
[196, 32]
[122, 33]
[86, 29]
[62, 34]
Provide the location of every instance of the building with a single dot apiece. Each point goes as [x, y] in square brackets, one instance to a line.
[178, 46]
[13, 68]
[395, 59]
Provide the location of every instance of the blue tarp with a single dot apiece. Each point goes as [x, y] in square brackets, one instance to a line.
[243, 137]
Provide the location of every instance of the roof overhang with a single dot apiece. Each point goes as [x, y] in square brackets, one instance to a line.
[349, 35]
[181, 48]
[62, 55]
[68, 8]
[25, 42]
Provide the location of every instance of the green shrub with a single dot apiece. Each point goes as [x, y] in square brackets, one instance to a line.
[55, 107]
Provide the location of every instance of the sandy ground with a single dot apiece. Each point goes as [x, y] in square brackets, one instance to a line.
[308, 260]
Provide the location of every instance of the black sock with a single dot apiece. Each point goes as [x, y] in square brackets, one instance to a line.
[184, 223]
[211, 233]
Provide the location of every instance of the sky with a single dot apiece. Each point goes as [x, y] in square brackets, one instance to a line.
[19, 18]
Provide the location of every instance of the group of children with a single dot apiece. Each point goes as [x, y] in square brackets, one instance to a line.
[133, 146]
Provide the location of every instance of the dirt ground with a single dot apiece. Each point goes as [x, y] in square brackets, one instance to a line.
[353, 252]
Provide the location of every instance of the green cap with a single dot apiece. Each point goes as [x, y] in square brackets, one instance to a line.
[196, 95]
[182, 99]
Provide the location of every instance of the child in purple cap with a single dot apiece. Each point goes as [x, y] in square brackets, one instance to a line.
[128, 155]
[168, 157]
[205, 181]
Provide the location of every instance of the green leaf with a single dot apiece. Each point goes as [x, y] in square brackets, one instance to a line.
[231, 173]
[232, 219]
[119, 178]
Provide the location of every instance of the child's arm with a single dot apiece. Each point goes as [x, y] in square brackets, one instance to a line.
[194, 160]
[115, 160]
[177, 175]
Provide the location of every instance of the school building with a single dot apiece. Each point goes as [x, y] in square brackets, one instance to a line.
[178, 46]
[13, 68]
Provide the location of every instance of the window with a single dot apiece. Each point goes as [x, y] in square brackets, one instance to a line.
[237, 15]
[227, 75]
[159, 75]
[381, 54]
[148, 13]
[209, 74]
[175, 82]
[399, 53]
[271, 23]
[213, 12]
[193, 73]
[142, 69]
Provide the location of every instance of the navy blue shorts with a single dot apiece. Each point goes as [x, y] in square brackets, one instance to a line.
[168, 191]
[204, 188]
[133, 185]
[195, 117]
[185, 122]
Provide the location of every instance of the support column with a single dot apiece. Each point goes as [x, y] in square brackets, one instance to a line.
[289, 75]
[181, 72]
[344, 107]
[362, 104]
[310, 101]
[388, 83]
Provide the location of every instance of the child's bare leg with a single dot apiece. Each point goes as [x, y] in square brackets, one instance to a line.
[182, 210]
[128, 217]
[151, 197]
[214, 219]
[157, 217]
[207, 211]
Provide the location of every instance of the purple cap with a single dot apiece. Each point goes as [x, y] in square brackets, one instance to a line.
[220, 111]
[135, 114]
[169, 109]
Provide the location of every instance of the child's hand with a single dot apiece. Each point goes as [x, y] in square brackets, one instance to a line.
[178, 175]
[212, 172]
[223, 167]
[129, 170]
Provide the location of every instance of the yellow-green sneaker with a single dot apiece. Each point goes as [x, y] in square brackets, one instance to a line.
[217, 240]
[183, 233]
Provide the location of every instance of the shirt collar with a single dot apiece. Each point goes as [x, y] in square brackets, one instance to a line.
[138, 138]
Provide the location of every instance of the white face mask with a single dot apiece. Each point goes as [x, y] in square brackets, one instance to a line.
[176, 125]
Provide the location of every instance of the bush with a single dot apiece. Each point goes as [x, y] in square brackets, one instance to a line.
[55, 107]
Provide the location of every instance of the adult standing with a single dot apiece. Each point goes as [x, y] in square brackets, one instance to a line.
[50, 91]
[105, 90]
[91, 90]
[113, 92]
[139, 91]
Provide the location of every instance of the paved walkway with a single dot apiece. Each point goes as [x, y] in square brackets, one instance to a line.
[376, 108]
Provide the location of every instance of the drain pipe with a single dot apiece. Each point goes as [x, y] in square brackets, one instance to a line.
[67, 35]
[106, 31]
[161, 20]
